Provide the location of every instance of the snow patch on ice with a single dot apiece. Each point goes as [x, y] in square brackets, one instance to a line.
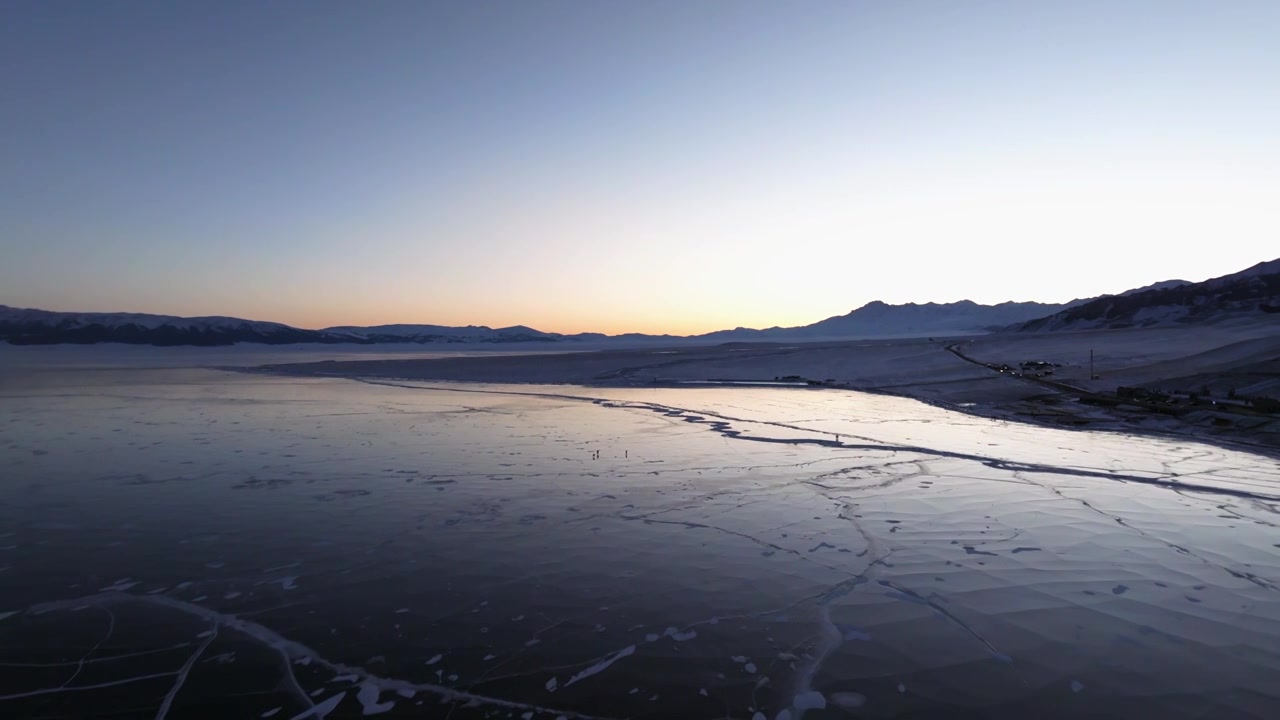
[811, 700]
[368, 698]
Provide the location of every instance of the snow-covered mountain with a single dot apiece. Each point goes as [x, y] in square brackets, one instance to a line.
[1254, 292]
[877, 319]
[1162, 285]
[882, 320]
[447, 334]
[22, 326]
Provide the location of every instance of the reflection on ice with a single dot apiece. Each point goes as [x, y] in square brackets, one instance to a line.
[273, 547]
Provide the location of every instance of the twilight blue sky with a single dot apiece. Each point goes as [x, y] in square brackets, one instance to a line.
[639, 166]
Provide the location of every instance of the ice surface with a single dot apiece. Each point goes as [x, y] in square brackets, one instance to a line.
[785, 550]
[602, 665]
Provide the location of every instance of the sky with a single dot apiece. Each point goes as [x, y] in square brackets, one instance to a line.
[627, 166]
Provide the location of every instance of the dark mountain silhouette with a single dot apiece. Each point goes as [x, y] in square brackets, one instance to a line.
[1255, 291]
[1248, 293]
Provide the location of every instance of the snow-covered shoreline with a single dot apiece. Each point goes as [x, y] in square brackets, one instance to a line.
[922, 369]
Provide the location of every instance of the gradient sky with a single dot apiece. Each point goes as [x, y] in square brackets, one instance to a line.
[627, 166]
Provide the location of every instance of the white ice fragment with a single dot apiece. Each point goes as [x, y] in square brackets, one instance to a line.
[682, 636]
[271, 712]
[670, 631]
[812, 700]
[317, 691]
[738, 659]
[634, 691]
[368, 697]
[205, 634]
[490, 657]
[182, 586]
[532, 642]
[345, 678]
[759, 716]
[9, 614]
[435, 659]
[406, 692]
[157, 591]
[651, 637]
[453, 678]
[1076, 686]
[231, 595]
[902, 688]
[784, 715]
[287, 582]
[528, 715]
[602, 665]
[552, 684]
[402, 611]
[848, 700]
[304, 661]
[198, 599]
[702, 692]
[214, 565]
[750, 667]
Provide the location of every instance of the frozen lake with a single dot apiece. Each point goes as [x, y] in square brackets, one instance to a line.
[181, 542]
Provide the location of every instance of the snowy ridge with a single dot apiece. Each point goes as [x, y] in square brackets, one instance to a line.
[22, 326]
[141, 320]
[444, 333]
[882, 320]
[1254, 292]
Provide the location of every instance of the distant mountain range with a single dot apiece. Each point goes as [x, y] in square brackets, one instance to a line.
[881, 320]
[41, 327]
[1253, 291]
